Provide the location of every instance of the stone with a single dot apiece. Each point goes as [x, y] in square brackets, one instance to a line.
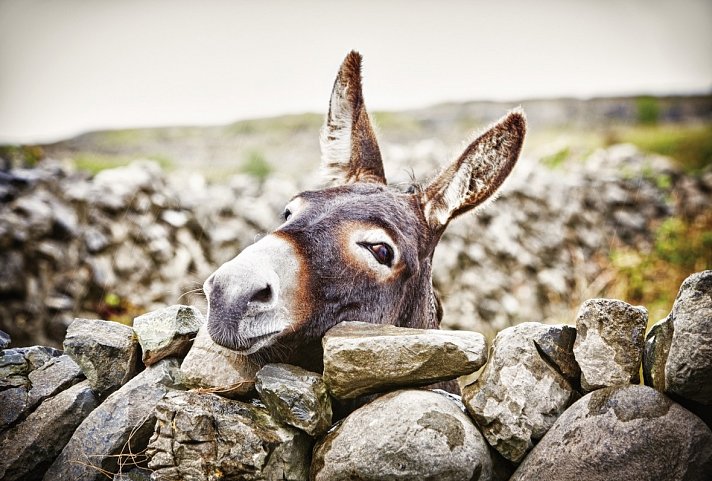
[410, 434]
[52, 377]
[204, 436]
[523, 388]
[622, 432]
[31, 446]
[4, 339]
[688, 371]
[362, 358]
[134, 474]
[655, 353]
[609, 344]
[296, 397]
[213, 368]
[167, 332]
[12, 273]
[106, 351]
[121, 425]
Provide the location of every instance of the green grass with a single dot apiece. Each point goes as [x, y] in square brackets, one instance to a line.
[690, 146]
[94, 162]
[256, 165]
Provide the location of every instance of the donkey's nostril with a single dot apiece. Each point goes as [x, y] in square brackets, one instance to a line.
[263, 295]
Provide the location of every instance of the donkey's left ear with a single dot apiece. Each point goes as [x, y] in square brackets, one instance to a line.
[349, 150]
[477, 174]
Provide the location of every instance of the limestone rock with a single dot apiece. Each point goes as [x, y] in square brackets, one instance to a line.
[655, 354]
[106, 351]
[296, 397]
[609, 345]
[409, 434]
[4, 339]
[54, 376]
[209, 366]
[31, 446]
[522, 391]
[167, 332]
[121, 425]
[362, 358]
[623, 432]
[206, 437]
[688, 371]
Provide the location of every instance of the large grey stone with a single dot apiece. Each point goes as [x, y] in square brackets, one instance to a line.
[31, 446]
[54, 376]
[362, 358]
[409, 434]
[121, 425]
[296, 397]
[4, 339]
[167, 332]
[523, 388]
[609, 344]
[206, 437]
[106, 351]
[688, 371]
[623, 432]
[213, 368]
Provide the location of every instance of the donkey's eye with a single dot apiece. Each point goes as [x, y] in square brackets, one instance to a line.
[382, 252]
[286, 214]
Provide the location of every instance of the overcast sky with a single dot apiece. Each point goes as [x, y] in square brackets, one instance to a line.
[68, 66]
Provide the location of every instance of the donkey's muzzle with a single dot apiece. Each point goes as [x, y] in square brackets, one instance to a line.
[248, 303]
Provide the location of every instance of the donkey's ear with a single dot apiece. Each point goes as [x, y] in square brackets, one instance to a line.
[349, 150]
[477, 174]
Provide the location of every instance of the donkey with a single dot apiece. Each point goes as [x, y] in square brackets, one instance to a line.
[358, 250]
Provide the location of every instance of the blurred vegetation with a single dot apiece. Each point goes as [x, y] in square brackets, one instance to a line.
[113, 308]
[20, 155]
[681, 247]
[648, 110]
[93, 162]
[256, 165]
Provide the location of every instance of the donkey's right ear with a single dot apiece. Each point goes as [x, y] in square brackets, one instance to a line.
[349, 150]
[477, 174]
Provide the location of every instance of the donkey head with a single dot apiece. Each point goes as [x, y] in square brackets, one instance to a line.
[356, 251]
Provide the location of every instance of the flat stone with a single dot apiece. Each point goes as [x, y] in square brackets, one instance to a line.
[121, 425]
[655, 354]
[522, 389]
[106, 351]
[410, 434]
[204, 436]
[688, 371]
[31, 446]
[211, 367]
[296, 397]
[622, 432]
[609, 345]
[54, 376]
[167, 332]
[362, 358]
[14, 404]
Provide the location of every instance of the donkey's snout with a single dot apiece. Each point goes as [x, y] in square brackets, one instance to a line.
[263, 296]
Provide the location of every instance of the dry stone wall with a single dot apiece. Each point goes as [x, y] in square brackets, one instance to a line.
[527, 415]
[133, 239]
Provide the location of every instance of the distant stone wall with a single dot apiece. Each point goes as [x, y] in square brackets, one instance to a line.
[134, 238]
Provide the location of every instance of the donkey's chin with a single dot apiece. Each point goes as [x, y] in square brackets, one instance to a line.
[241, 342]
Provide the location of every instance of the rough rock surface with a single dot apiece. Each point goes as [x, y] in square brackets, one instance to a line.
[609, 344]
[4, 339]
[526, 385]
[52, 377]
[362, 358]
[655, 354]
[688, 371]
[107, 352]
[212, 367]
[625, 432]
[15, 367]
[296, 397]
[121, 425]
[205, 437]
[30, 447]
[167, 332]
[407, 434]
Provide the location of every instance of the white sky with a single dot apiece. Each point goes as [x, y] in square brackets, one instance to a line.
[68, 66]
